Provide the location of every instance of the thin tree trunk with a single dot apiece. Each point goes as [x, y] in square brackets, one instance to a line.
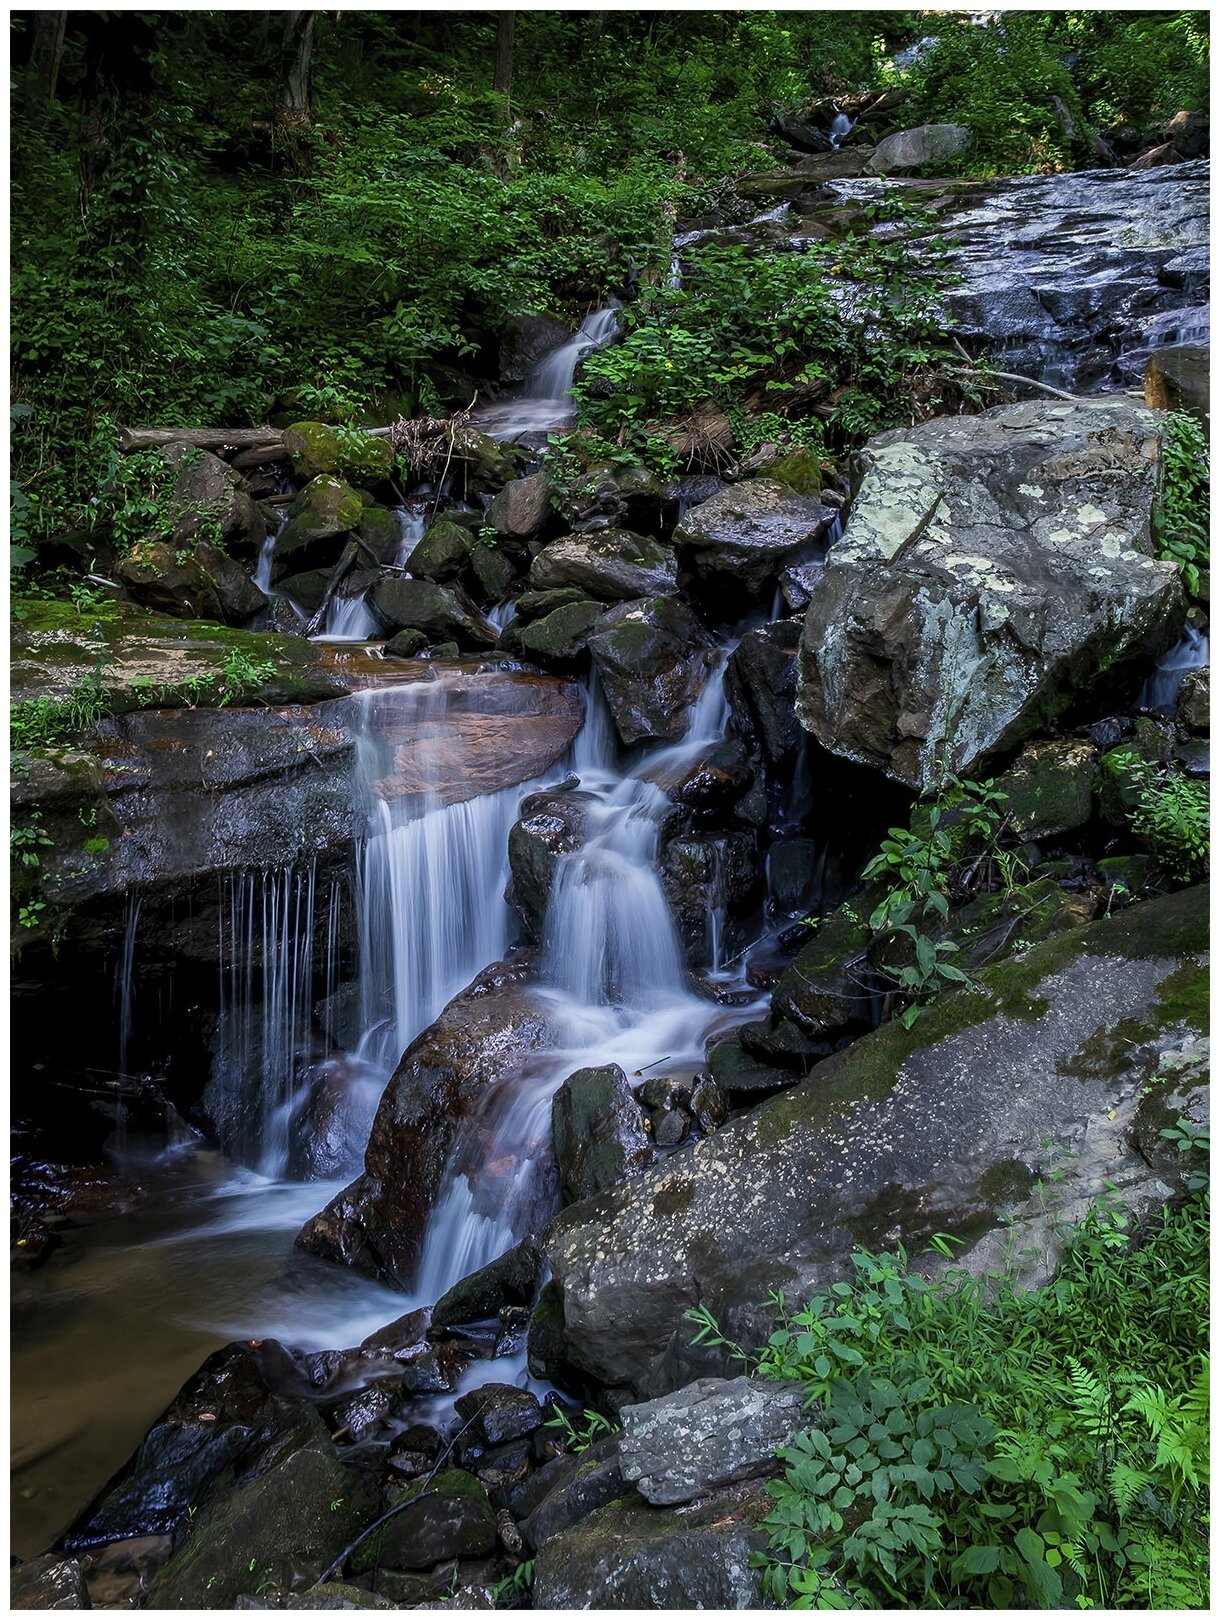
[503, 82]
[298, 49]
[46, 50]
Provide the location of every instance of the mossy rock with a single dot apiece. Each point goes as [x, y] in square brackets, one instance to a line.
[406, 644]
[489, 464]
[448, 1516]
[800, 470]
[493, 570]
[1050, 788]
[821, 990]
[441, 554]
[381, 532]
[561, 635]
[324, 510]
[315, 448]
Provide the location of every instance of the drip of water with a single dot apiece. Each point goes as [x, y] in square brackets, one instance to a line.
[413, 522]
[545, 400]
[262, 568]
[125, 981]
[1160, 691]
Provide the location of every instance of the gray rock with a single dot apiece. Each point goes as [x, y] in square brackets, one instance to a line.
[521, 508]
[991, 567]
[1194, 701]
[448, 1516]
[712, 1433]
[49, 1582]
[438, 610]
[631, 1556]
[912, 148]
[947, 1126]
[510, 1280]
[599, 1132]
[558, 637]
[442, 553]
[760, 682]
[568, 1489]
[552, 825]
[498, 1413]
[613, 565]
[739, 539]
[650, 668]
[1050, 787]
[338, 1595]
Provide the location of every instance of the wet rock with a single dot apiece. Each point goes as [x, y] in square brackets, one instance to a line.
[738, 540]
[568, 1490]
[943, 1127]
[992, 566]
[168, 581]
[714, 780]
[560, 636]
[498, 1413]
[742, 1078]
[338, 1595]
[285, 1526]
[613, 565]
[669, 1127]
[117, 1576]
[552, 825]
[707, 1104]
[643, 654]
[1190, 132]
[1178, 378]
[712, 1433]
[823, 990]
[381, 532]
[1194, 701]
[510, 1280]
[527, 339]
[630, 1556]
[706, 880]
[377, 1224]
[326, 509]
[912, 148]
[494, 572]
[521, 508]
[1050, 788]
[241, 1411]
[402, 1337]
[448, 1516]
[49, 1582]
[487, 464]
[406, 644]
[438, 610]
[442, 553]
[761, 685]
[363, 1413]
[501, 1470]
[599, 1132]
[537, 604]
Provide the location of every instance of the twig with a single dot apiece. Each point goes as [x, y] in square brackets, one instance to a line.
[653, 1065]
[1030, 382]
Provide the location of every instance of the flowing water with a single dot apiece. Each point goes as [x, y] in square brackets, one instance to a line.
[545, 401]
[1160, 691]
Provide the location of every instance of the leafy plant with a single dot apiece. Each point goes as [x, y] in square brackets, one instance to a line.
[239, 674]
[1182, 520]
[1170, 813]
[580, 1436]
[513, 1592]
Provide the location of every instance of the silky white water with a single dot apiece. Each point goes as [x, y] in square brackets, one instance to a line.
[1160, 690]
[545, 400]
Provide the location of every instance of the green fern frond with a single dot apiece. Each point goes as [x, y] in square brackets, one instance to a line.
[1126, 1484]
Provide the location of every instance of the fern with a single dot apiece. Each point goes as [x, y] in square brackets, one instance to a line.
[1127, 1484]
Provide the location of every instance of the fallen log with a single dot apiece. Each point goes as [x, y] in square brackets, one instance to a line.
[265, 439]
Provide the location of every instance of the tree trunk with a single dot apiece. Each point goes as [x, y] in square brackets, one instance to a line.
[297, 50]
[503, 82]
[267, 440]
[46, 50]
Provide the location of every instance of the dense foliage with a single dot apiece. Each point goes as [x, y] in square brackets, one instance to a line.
[196, 242]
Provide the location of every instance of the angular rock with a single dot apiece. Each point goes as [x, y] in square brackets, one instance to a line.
[316, 447]
[761, 684]
[739, 539]
[49, 1582]
[338, 1595]
[381, 531]
[323, 511]
[498, 1413]
[209, 501]
[568, 1490]
[441, 554]
[1049, 788]
[487, 464]
[599, 1133]
[742, 1078]
[905, 1133]
[406, 644]
[1177, 377]
[912, 148]
[712, 1433]
[613, 565]
[823, 990]
[649, 666]
[510, 1280]
[706, 880]
[527, 339]
[449, 1517]
[559, 637]
[552, 825]
[1194, 701]
[170, 581]
[286, 1526]
[630, 1556]
[438, 610]
[521, 508]
[494, 572]
[377, 1224]
[992, 567]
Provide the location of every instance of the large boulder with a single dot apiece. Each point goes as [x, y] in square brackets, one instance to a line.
[551, 825]
[317, 447]
[1052, 1063]
[913, 148]
[521, 508]
[651, 670]
[377, 1224]
[993, 566]
[442, 553]
[760, 682]
[209, 501]
[738, 540]
[598, 1130]
[326, 509]
[441, 611]
[1178, 378]
[448, 1516]
[613, 565]
[628, 1555]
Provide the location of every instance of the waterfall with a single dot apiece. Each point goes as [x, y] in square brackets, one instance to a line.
[1160, 690]
[262, 1078]
[613, 985]
[545, 400]
[839, 130]
[349, 619]
[125, 982]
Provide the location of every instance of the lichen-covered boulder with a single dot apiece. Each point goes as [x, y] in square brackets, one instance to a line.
[712, 1433]
[613, 565]
[1051, 1063]
[738, 540]
[912, 148]
[992, 567]
[317, 447]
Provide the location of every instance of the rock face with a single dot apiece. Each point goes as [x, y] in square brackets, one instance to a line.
[50, 1582]
[912, 148]
[992, 566]
[738, 539]
[630, 1556]
[377, 1224]
[902, 1134]
[599, 1133]
[715, 1432]
[551, 825]
[521, 508]
[651, 672]
[613, 565]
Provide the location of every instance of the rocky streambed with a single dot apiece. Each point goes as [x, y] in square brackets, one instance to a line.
[458, 1007]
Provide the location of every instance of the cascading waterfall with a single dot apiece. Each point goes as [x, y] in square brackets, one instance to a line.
[545, 400]
[614, 987]
[350, 618]
[839, 130]
[125, 982]
[1160, 691]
